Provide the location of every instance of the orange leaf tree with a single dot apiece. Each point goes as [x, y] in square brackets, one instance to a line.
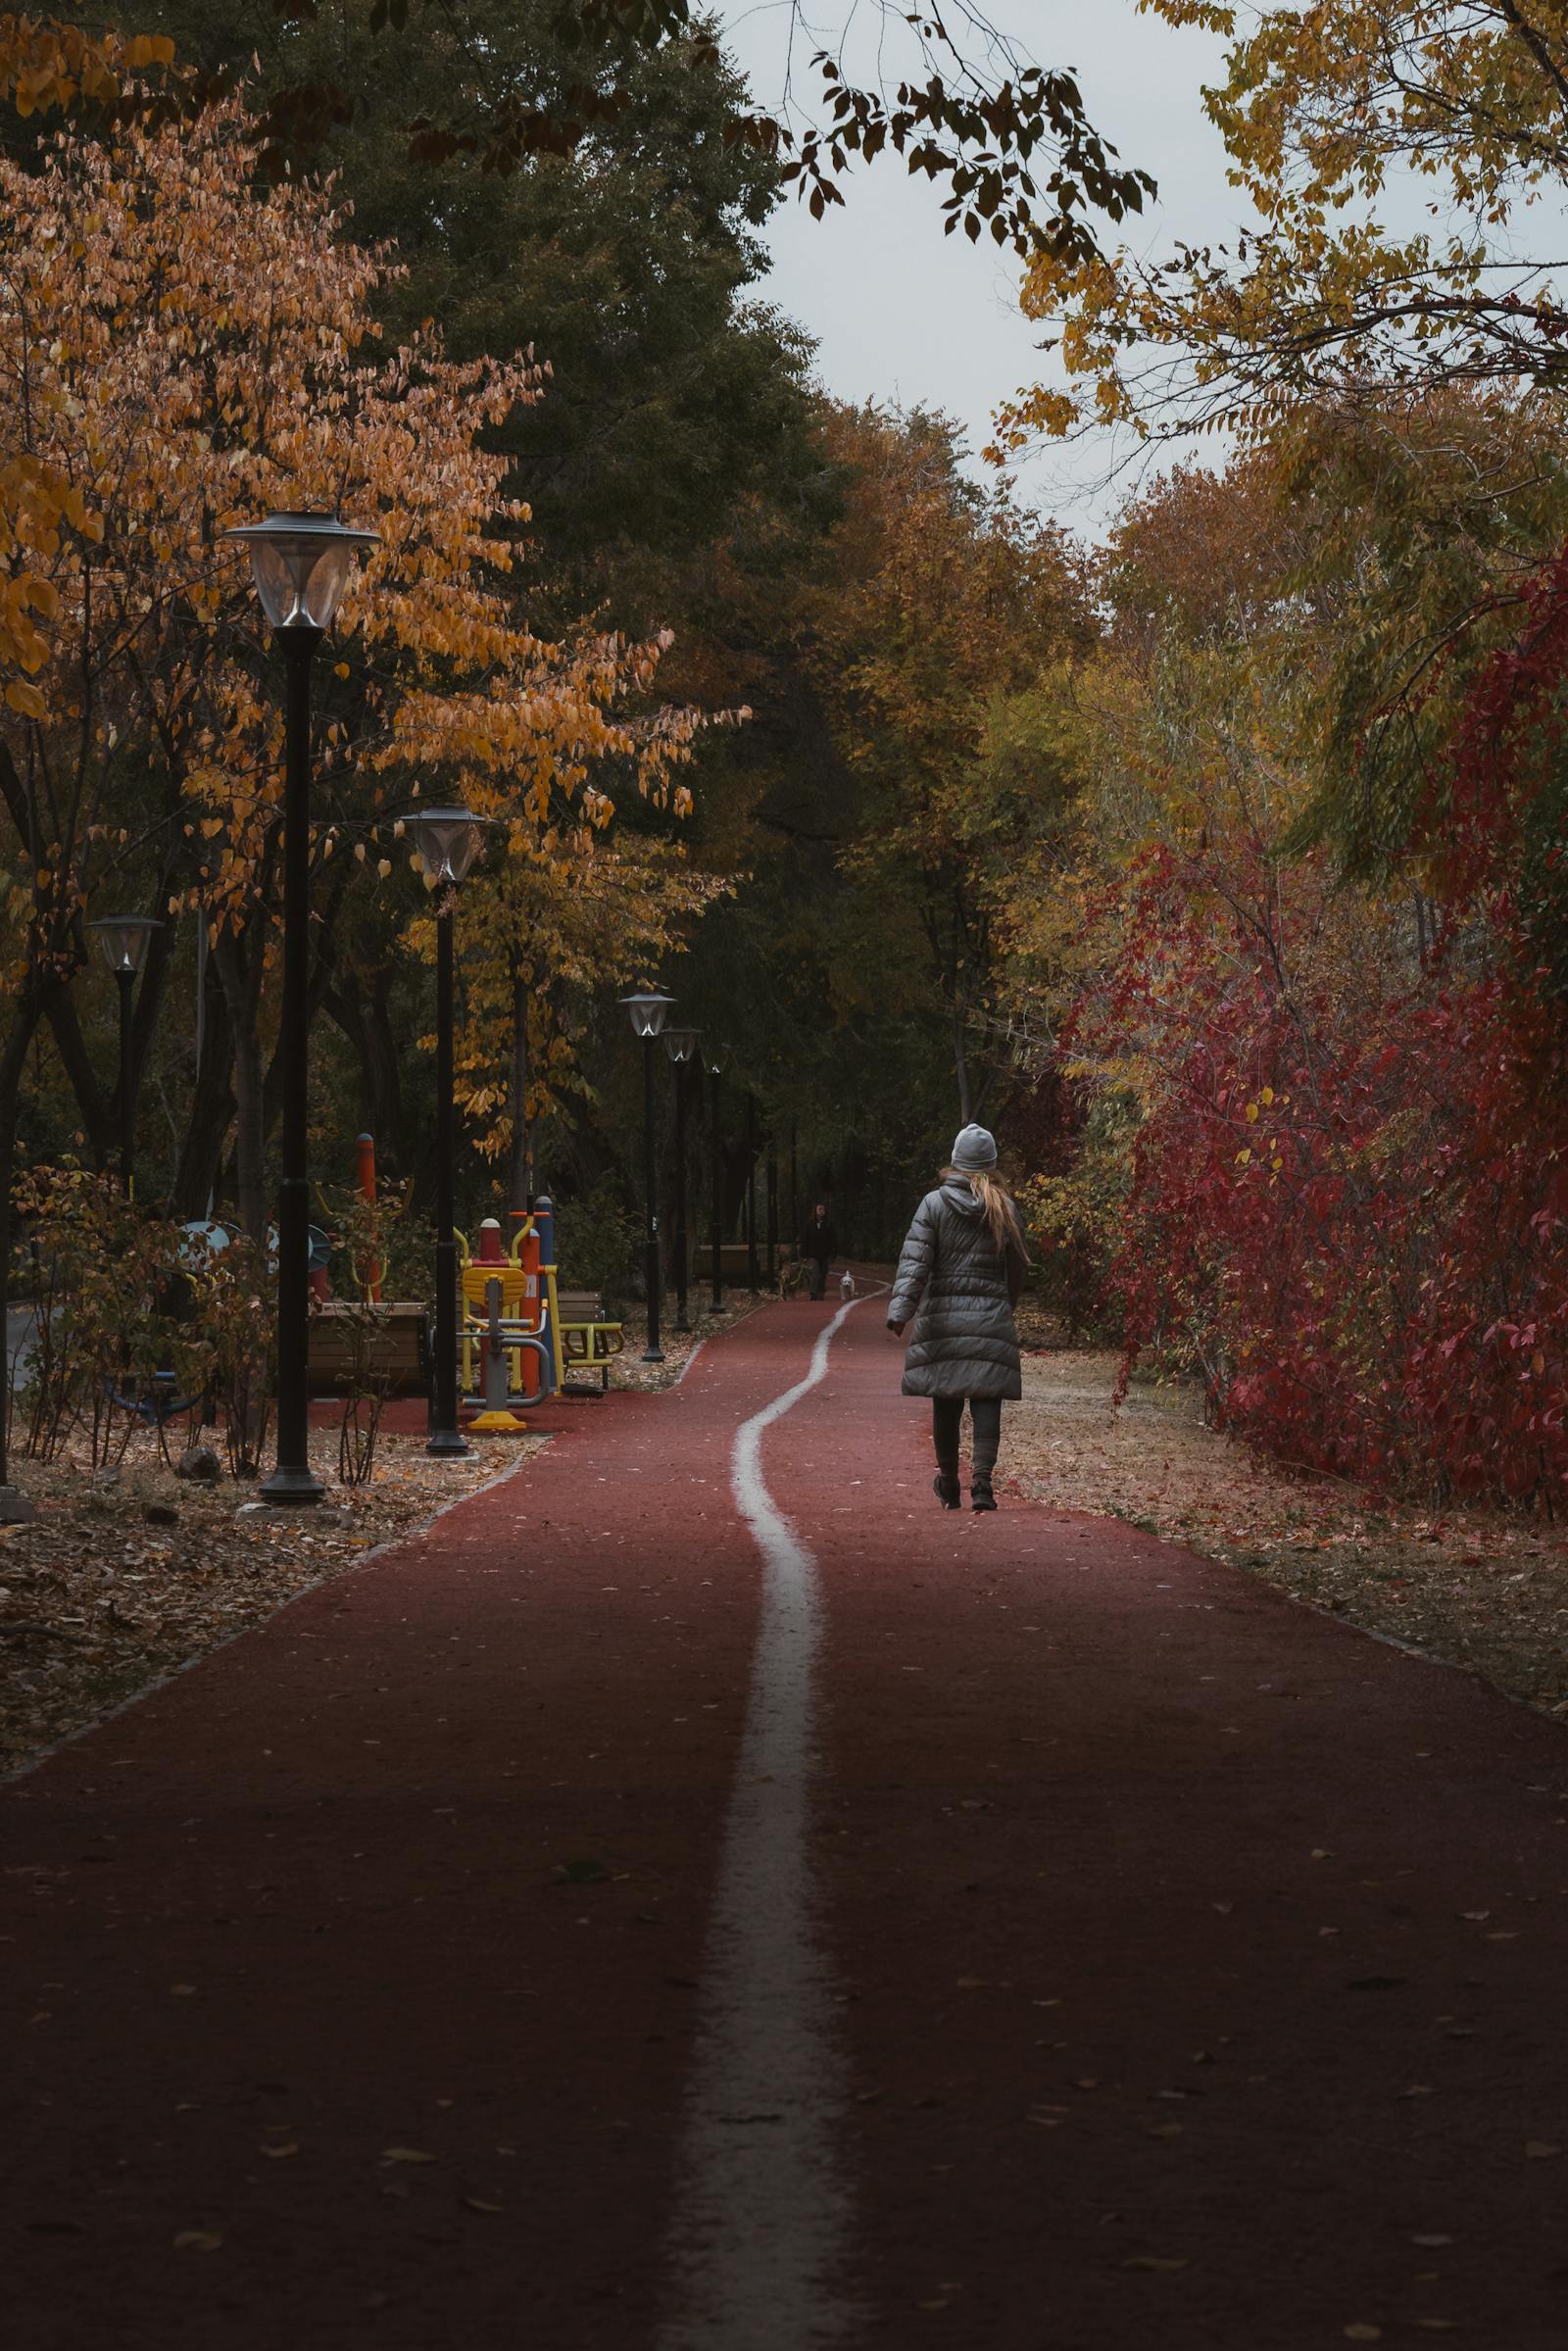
[182, 353]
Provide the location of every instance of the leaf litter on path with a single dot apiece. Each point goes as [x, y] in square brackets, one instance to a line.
[1480, 1589]
[94, 1606]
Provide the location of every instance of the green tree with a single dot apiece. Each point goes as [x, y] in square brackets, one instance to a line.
[1010, 139]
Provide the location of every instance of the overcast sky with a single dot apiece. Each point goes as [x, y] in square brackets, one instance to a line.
[902, 312]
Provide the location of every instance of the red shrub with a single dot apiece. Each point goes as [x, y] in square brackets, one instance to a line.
[1351, 1196]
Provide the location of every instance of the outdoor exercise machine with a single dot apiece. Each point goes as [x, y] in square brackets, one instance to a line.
[508, 1358]
[521, 1334]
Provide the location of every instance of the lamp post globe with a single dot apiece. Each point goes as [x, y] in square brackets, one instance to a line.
[301, 563]
[681, 1046]
[446, 840]
[124, 940]
[648, 1008]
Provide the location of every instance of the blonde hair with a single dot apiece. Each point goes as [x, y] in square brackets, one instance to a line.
[997, 1202]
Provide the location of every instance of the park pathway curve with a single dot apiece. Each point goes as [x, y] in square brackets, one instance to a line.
[698, 1893]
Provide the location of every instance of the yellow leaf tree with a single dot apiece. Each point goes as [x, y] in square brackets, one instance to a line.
[185, 352]
[1334, 114]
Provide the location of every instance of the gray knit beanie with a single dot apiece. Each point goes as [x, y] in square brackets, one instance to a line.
[973, 1148]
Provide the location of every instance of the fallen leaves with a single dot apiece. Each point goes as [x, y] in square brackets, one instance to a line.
[198, 2240]
[1394, 1569]
[92, 1608]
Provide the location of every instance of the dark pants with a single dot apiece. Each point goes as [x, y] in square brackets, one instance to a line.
[818, 1276]
[946, 1419]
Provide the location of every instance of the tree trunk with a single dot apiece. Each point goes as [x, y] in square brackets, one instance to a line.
[960, 1063]
[520, 1184]
[201, 1153]
[150, 994]
[365, 1020]
[241, 994]
[99, 1123]
[13, 1059]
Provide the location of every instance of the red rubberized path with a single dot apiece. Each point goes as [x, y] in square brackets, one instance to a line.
[1194, 1956]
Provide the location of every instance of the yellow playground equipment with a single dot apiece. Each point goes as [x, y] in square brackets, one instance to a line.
[520, 1335]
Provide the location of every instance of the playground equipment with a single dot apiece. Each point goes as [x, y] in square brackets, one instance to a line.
[505, 1326]
[520, 1335]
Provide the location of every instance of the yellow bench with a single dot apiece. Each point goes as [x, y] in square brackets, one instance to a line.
[587, 1341]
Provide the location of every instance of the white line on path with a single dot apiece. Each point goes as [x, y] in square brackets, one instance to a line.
[761, 2223]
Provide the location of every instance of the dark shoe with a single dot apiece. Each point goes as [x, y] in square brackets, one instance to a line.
[981, 1497]
[947, 1491]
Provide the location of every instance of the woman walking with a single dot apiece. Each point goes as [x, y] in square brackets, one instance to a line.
[960, 1274]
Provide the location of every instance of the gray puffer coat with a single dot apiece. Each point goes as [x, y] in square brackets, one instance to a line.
[964, 1342]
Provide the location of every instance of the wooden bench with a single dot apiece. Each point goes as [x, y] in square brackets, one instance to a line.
[399, 1350]
[588, 1341]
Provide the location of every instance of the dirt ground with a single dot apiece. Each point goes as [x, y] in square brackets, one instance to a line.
[1481, 1590]
[117, 1583]
[121, 1582]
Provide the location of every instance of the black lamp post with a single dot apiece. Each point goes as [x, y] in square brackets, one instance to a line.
[773, 1209]
[717, 1059]
[123, 939]
[794, 1182]
[301, 563]
[446, 842]
[753, 1275]
[647, 1009]
[681, 1047]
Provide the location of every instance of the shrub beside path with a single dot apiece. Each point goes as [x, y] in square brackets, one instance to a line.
[1141, 1958]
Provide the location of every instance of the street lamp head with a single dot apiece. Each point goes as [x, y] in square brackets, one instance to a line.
[123, 939]
[681, 1044]
[301, 563]
[446, 842]
[715, 1060]
[646, 1009]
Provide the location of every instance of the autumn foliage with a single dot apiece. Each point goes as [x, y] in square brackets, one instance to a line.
[1321, 970]
[182, 352]
[1346, 1196]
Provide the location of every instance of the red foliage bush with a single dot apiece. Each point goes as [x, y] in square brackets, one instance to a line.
[1351, 1199]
